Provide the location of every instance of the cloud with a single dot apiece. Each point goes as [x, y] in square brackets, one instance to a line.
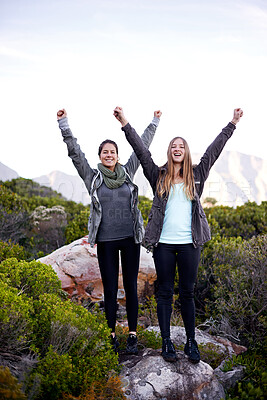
[14, 53]
[256, 16]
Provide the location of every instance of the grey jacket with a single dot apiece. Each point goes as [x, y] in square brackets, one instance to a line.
[199, 225]
[93, 179]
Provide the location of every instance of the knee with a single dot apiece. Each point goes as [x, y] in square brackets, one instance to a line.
[164, 293]
[110, 293]
[186, 293]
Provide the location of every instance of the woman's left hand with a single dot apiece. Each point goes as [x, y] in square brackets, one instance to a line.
[119, 115]
[238, 113]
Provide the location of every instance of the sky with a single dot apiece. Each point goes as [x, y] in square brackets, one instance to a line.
[194, 60]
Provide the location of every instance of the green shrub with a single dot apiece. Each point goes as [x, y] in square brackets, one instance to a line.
[31, 278]
[77, 227]
[144, 206]
[67, 328]
[9, 386]
[15, 319]
[211, 354]
[246, 221]
[231, 287]
[253, 386]
[54, 375]
[10, 201]
[9, 249]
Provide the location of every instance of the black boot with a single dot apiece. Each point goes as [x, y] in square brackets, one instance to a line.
[191, 350]
[115, 343]
[131, 347]
[168, 350]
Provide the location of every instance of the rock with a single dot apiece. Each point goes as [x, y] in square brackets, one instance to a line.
[77, 267]
[228, 379]
[223, 345]
[149, 377]
[203, 377]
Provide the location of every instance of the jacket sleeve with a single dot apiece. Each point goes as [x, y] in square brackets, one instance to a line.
[151, 170]
[78, 157]
[147, 137]
[213, 152]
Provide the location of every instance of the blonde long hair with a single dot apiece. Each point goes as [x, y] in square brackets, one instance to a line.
[165, 183]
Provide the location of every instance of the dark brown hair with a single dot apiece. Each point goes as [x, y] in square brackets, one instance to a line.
[105, 142]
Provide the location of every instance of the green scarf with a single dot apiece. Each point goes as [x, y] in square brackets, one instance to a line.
[115, 179]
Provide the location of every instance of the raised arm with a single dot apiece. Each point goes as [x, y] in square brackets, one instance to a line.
[74, 150]
[146, 138]
[215, 148]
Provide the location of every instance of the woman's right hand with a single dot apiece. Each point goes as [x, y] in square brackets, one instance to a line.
[61, 113]
[157, 113]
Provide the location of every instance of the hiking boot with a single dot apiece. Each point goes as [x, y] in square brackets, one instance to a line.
[131, 347]
[115, 344]
[191, 350]
[168, 350]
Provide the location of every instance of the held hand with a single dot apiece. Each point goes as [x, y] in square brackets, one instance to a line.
[61, 113]
[157, 113]
[238, 113]
[119, 115]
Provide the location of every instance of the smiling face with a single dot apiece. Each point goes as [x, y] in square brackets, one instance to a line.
[109, 156]
[178, 151]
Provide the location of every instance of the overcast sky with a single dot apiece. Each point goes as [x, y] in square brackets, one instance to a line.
[194, 60]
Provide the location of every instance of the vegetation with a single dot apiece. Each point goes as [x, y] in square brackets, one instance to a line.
[38, 218]
[70, 346]
[254, 384]
[9, 386]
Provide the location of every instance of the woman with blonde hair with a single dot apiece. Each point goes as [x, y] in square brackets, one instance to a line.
[177, 226]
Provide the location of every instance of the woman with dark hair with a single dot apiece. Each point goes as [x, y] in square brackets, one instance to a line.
[115, 222]
[177, 226]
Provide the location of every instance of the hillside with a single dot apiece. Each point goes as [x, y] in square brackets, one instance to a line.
[234, 179]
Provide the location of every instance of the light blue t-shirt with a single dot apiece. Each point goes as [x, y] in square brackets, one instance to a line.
[177, 219]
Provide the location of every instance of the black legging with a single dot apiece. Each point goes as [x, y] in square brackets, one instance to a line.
[166, 256]
[108, 259]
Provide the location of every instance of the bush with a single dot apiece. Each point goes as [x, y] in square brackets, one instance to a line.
[31, 278]
[232, 283]
[15, 319]
[144, 206]
[253, 386]
[63, 327]
[246, 221]
[9, 386]
[73, 344]
[9, 250]
[55, 376]
[77, 228]
[110, 389]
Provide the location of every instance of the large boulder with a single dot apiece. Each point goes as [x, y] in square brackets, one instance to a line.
[148, 376]
[76, 265]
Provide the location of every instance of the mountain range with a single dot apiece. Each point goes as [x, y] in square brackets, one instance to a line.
[234, 179]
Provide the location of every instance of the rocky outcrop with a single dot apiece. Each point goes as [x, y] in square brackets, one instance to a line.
[77, 267]
[148, 376]
[220, 345]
